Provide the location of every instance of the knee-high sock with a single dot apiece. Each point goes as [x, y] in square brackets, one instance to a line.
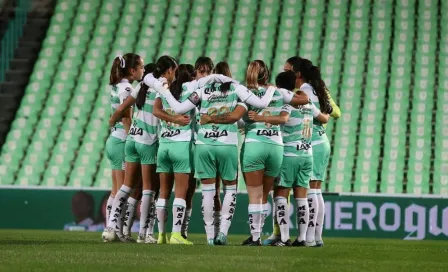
[161, 207]
[314, 209]
[186, 222]
[179, 206]
[208, 203]
[320, 215]
[129, 216]
[147, 198]
[110, 201]
[228, 208]
[118, 206]
[303, 214]
[152, 218]
[282, 212]
[255, 220]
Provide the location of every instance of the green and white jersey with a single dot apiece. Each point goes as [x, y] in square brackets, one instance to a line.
[319, 132]
[297, 132]
[212, 101]
[171, 132]
[265, 132]
[144, 124]
[118, 95]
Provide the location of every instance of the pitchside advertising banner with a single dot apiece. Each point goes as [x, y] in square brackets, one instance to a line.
[376, 216]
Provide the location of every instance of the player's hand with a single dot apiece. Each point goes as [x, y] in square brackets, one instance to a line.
[254, 116]
[205, 119]
[111, 123]
[182, 120]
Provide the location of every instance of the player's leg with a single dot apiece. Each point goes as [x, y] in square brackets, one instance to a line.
[217, 199]
[321, 155]
[227, 158]
[152, 213]
[206, 171]
[131, 208]
[253, 157]
[190, 193]
[181, 158]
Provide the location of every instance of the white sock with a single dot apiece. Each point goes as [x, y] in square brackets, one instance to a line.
[208, 204]
[129, 216]
[110, 201]
[320, 215]
[152, 218]
[314, 209]
[186, 222]
[118, 207]
[282, 211]
[145, 206]
[179, 206]
[303, 214]
[161, 214]
[255, 220]
[265, 214]
[228, 208]
[216, 221]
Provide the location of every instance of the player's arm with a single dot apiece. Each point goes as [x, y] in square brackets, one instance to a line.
[178, 107]
[294, 99]
[336, 113]
[160, 113]
[226, 118]
[319, 116]
[123, 111]
[249, 98]
[280, 119]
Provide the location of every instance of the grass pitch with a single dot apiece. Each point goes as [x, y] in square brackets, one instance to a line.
[23, 250]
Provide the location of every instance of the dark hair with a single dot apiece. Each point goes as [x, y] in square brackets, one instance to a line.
[257, 73]
[204, 62]
[121, 67]
[163, 64]
[191, 70]
[182, 75]
[141, 96]
[286, 80]
[223, 69]
[293, 60]
[311, 74]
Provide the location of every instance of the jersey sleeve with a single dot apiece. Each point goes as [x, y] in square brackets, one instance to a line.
[196, 96]
[135, 91]
[287, 108]
[123, 95]
[287, 95]
[315, 110]
[243, 93]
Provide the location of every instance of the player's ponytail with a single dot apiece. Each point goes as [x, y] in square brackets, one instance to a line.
[141, 96]
[223, 68]
[182, 75]
[121, 67]
[163, 64]
[257, 74]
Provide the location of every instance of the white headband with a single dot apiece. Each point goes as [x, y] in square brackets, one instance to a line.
[122, 61]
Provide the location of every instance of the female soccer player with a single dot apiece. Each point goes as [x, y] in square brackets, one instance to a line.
[141, 148]
[297, 163]
[262, 151]
[125, 69]
[309, 80]
[216, 144]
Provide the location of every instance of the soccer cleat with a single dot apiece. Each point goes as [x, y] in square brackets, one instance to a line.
[150, 239]
[162, 239]
[271, 240]
[128, 239]
[247, 241]
[311, 244]
[221, 239]
[254, 243]
[319, 243]
[298, 243]
[280, 243]
[211, 242]
[109, 235]
[140, 239]
[177, 239]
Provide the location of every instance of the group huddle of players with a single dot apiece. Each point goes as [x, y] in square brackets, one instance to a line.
[182, 123]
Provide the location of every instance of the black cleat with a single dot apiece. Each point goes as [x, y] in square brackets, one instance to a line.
[296, 243]
[280, 243]
[252, 243]
[247, 241]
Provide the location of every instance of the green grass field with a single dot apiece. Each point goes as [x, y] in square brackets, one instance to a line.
[79, 251]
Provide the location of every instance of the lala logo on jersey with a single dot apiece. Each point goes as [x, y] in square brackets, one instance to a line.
[215, 133]
[171, 133]
[303, 146]
[321, 132]
[267, 132]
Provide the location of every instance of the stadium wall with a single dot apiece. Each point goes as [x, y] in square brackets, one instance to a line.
[347, 215]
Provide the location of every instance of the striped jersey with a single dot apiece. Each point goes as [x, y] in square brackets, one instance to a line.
[297, 132]
[118, 95]
[212, 101]
[265, 132]
[319, 132]
[144, 124]
[171, 132]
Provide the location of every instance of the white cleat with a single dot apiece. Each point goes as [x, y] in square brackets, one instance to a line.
[310, 244]
[109, 235]
[150, 239]
[140, 239]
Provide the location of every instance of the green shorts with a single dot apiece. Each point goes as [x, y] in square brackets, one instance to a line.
[115, 152]
[140, 153]
[213, 159]
[175, 157]
[258, 156]
[296, 171]
[321, 156]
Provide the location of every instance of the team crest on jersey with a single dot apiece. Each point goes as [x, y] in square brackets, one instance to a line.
[128, 89]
